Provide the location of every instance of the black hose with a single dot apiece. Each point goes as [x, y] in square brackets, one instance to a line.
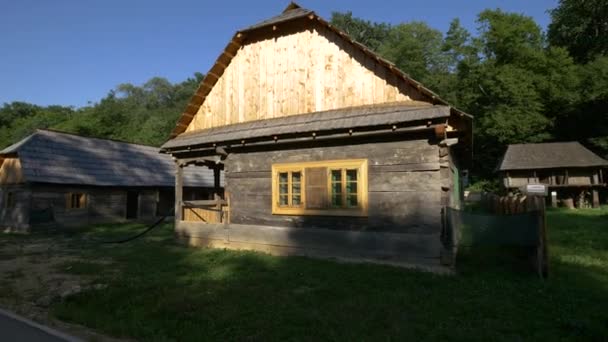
[154, 225]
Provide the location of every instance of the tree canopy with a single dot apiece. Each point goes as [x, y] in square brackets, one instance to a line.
[143, 114]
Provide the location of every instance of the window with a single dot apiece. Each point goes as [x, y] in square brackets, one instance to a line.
[336, 187]
[76, 200]
[9, 200]
[290, 189]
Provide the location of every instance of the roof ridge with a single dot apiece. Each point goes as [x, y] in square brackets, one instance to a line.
[91, 137]
[292, 5]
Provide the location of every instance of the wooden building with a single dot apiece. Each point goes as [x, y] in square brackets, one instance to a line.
[327, 148]
[53, 178]
[568, 168]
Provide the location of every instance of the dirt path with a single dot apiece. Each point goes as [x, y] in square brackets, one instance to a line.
[35, 272]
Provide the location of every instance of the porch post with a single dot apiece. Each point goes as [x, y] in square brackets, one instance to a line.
[216, 192]
[596, 198]
[179, 198]
[216, 180]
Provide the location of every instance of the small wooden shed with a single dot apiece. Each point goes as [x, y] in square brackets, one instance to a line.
[568, 168]
[327, 148]
[54, 178]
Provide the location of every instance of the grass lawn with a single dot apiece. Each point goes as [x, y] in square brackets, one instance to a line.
[160, 291]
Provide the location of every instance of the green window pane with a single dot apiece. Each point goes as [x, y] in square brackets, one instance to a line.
[336, 175]
[336, 188]
[336, 200]
[283, 200]
[283, 177]
[351, 175]
[351, 188]
[283, 188]
[295, 200]
[295, 188]
[296, 177]
[351, 200]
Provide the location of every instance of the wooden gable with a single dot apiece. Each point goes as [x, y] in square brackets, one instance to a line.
[10, 171]
[299, 70]
[295, 63]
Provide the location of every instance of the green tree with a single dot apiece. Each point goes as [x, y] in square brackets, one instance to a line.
[581, 26]
[370, 34]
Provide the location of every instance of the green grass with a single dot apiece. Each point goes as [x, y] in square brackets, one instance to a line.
[165, 292]
[81, 268]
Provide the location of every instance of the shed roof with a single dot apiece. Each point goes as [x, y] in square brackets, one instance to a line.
[318, 122]
[293, 12]
[62, 158]
[548, 156]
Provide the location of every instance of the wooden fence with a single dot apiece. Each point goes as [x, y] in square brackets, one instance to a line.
[501, 206]
[514, 204]
[208, 211]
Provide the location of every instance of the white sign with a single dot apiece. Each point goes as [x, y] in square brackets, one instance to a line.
[536, 189]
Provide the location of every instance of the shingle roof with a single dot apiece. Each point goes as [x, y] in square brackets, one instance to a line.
[293, 11]
[61, 158]
[549, 155]
[338, 119]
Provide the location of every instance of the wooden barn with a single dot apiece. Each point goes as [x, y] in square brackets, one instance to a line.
[53, 178]
[327, 149]
[568, 168]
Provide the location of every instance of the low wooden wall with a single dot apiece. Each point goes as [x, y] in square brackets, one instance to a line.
[506, 205]
[201, 215]
[412, 249]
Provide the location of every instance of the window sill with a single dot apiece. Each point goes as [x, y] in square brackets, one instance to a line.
[319, 212]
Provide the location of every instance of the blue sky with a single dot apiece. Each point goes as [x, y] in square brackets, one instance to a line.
[70, 52]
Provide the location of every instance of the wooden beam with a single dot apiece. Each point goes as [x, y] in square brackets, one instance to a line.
[216, 181]
[203, 203]
[179, 197]
[207, 161]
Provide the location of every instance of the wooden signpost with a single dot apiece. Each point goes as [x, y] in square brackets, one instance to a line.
[537, 193]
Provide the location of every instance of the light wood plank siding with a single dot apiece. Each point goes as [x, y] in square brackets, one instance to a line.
[301, 72]
[10, 171]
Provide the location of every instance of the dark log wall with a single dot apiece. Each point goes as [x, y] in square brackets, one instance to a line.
[405, 187]
[15, 218]
[103, 204]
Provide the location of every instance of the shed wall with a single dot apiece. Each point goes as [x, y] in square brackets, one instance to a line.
[15, 218]
[103, 204]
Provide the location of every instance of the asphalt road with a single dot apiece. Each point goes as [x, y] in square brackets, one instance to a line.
[12, 329]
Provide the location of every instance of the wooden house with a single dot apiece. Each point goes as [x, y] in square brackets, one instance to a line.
[68, 180]
[568, 168]
[327, 149]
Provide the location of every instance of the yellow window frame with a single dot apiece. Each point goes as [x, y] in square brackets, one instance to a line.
[361, 165]
[81, 202]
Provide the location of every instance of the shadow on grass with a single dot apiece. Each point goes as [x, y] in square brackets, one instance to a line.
[165, 291]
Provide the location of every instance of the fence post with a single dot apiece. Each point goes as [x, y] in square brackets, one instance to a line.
[542, 251]
[447, 255]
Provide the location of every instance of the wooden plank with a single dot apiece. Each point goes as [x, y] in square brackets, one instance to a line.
[404, 181]
[250, 174]
[379, 154]
[380, 246]
[292, 73]
[413, 167]
[179, 197]
[199, 203]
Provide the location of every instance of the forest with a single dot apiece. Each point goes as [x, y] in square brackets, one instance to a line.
[523, 84]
